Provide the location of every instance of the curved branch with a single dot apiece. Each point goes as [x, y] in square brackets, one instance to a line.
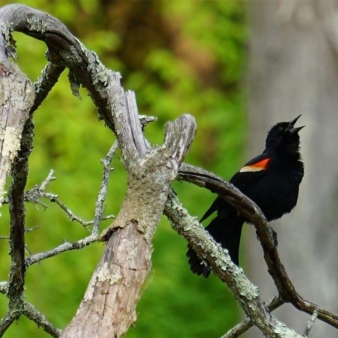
[265, 234]
[243, 290]
[46, 81]
[33, 314]
[66, 50]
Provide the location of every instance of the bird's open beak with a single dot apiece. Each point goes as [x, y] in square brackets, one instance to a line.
[291, 126]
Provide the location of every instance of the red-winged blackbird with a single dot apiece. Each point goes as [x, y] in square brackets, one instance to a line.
[271, 180]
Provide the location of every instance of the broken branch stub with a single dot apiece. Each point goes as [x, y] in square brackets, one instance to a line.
[108, 308]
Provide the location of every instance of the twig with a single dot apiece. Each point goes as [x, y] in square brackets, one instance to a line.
[33, 314]
[7, 321]
[72, 216]
[35, 194]
[46, 81]
[48, 179]
[66, 246]
[239, 329]
[27, 230]
[310, 323]
[145, 120]
[103, 189]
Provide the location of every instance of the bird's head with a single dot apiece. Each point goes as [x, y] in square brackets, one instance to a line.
[283, 137]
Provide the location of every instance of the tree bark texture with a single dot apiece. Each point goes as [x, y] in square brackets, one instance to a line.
[109, 305]
[293, 70]
[16, 100]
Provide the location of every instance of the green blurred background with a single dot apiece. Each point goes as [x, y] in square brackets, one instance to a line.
[178, 56]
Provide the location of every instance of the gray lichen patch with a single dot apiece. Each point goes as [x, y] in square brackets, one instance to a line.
[11, 143]
[36, 24]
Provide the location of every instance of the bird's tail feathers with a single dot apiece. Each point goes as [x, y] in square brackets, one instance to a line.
[227, 232]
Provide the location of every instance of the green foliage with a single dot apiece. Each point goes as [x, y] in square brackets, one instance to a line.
[178, 56]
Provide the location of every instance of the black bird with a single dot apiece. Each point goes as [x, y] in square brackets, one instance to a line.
[271, 180]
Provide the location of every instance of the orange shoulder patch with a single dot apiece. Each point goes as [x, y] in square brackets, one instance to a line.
[258, 166]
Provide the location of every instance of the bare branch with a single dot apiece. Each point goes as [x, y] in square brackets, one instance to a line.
[18, 133]
[69, 52]
[239, 329]
[72, 216]
[242, 289]
[310, 323]
[7, 321]
[103, 190]
[15, 103]
[265, 234]
[35, 194]
[33, 314]
[66, 246]
[46, 81]
[65, 50]
[47, 180]
[133, 128]
[17, 235]
[54, 198]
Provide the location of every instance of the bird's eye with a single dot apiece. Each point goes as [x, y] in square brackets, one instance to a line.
[280, 129]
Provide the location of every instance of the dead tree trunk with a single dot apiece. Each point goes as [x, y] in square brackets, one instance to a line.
[108, 308]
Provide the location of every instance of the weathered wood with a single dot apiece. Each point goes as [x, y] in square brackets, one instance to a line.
[16, 100]
[243, 290]
[108, 308]
[65, 50]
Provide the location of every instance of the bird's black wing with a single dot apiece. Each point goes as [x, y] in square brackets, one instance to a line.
[251, 172]
[216, 205]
